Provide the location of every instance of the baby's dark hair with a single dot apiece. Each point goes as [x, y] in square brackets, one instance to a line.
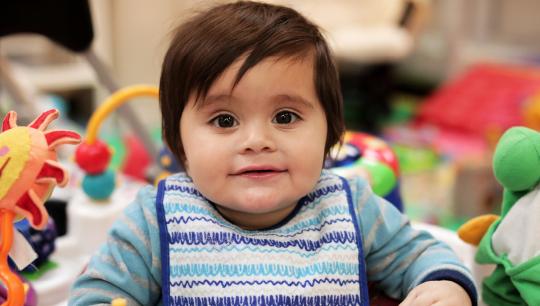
[207, 44]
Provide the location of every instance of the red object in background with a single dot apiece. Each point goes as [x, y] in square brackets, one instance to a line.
[375, 149]
[137, 159]
[93, 158]
[485, 98]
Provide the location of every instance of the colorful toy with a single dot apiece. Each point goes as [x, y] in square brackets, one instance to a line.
[119, 302]
[92, 155]
[511, 241]
[370, 157]
[168, 163]
[42, 241]
[28, 173]
[531, 112]
[91, 209]
[30, 298]
[137, 159]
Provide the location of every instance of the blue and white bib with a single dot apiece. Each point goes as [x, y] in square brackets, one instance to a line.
[314, 258]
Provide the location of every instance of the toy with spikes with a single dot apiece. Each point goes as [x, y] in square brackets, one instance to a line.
[28, 173]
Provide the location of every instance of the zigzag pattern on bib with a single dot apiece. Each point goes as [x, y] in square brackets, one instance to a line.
[313, 259]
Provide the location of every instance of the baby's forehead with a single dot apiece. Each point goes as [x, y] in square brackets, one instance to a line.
[225, 87]
[230, 98]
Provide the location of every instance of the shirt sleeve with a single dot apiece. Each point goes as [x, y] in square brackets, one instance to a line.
[128, 265]
[399, 257]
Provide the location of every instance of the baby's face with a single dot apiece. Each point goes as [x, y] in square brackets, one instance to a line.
[257, 150]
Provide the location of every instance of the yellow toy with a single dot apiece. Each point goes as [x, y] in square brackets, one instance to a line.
[28, 173]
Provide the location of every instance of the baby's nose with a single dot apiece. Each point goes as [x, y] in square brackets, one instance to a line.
[258, 138]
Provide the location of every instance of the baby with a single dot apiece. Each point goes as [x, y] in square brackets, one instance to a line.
[251, 105]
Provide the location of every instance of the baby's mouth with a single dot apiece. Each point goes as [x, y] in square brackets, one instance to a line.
[257, 172]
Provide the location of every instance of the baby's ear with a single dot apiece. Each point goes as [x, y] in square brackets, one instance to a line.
[516, 162]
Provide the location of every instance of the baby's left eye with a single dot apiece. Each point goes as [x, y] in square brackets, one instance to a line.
[285, 117]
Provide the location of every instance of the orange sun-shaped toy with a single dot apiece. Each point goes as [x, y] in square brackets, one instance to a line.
[28, 173]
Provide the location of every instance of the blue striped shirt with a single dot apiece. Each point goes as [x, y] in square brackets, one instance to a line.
[398, 257]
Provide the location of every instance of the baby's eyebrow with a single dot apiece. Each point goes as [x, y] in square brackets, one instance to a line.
[228, 98]
[211, 99]
[295, 99]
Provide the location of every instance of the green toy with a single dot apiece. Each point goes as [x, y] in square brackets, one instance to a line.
[512, 241]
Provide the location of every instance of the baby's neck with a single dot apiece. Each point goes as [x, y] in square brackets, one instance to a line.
[249, 221]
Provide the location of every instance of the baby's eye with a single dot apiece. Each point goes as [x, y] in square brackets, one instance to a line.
[224, 121]
[285, 117]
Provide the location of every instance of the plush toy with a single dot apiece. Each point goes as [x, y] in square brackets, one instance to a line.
[512, 241]
[169, 164]
[28, 173]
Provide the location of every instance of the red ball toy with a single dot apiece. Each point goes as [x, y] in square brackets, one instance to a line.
[93, 158]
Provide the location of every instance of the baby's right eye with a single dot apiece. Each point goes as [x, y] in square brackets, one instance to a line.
[224, 121]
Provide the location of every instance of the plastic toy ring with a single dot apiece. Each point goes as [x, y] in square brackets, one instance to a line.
[93, 155]
[113, 102]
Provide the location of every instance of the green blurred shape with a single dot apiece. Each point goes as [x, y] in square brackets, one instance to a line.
[415, 159]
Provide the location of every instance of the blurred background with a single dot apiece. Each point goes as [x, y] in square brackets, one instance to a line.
[439, 80]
